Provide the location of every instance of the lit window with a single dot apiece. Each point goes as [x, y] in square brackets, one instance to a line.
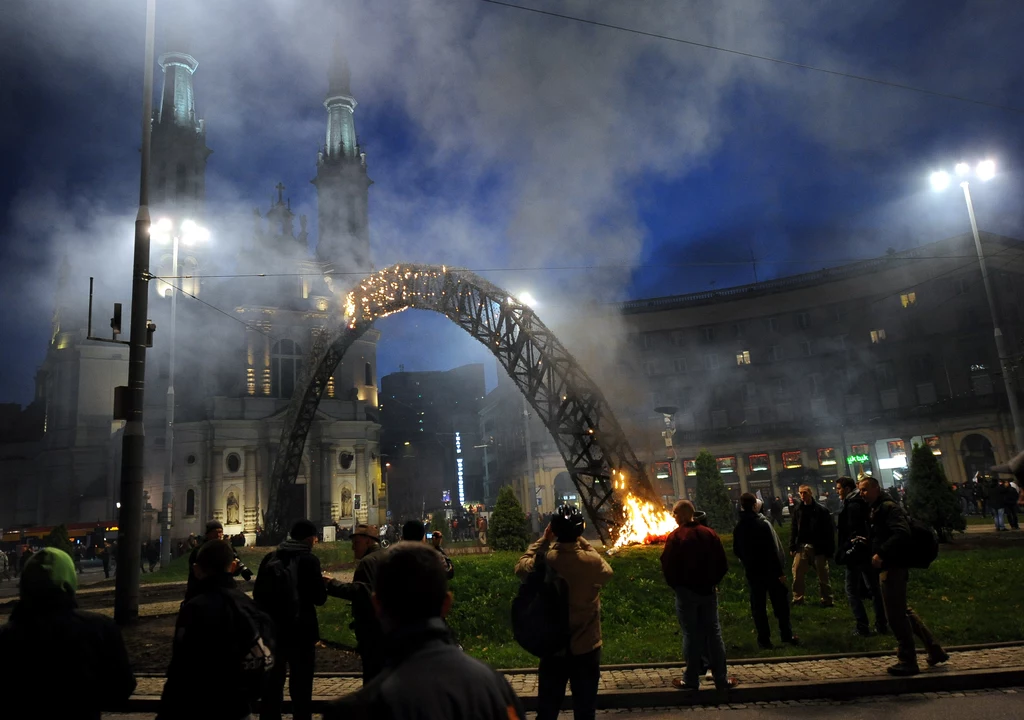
[758, 462]
[690, 467]
[727, 464]
[908, 298]
[743, 358]
[896, 448]
[933, 444]
[826, 456]
[792, 459]
[877, 336]
[286, 359]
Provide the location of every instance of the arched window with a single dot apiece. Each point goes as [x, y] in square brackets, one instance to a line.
[190, 502]
[285, 368]
[368, 373]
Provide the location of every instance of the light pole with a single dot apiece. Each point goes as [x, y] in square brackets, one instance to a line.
[190, 234]
[986, 170]
[668, 412]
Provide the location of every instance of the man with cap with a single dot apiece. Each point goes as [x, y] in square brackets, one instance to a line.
[45, 625]
[365, 623]
[299, 634]
[214, 531]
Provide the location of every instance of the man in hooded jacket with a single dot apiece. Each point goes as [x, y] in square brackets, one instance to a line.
[298, 636]
[46, 624]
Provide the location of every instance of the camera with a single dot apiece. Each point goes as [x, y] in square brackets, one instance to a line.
[430, 535]
[242, 570]
[858, 553]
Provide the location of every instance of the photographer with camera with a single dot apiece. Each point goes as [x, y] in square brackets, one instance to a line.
[854, 552]
[214, 531]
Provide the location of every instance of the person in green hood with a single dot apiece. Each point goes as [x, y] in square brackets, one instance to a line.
[45, 628]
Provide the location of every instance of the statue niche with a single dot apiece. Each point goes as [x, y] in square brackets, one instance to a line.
[232, 509]
[346, 501]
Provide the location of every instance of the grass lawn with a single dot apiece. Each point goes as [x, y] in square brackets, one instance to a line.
[967, 596]
[330, 554]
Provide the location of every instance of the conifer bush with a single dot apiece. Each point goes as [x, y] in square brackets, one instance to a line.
[712, 495]
[930, 497]
[508, 529]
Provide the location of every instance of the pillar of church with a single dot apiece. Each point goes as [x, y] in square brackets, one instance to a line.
[330, 493]
[216, 507]
[362, 483]
[250, 508]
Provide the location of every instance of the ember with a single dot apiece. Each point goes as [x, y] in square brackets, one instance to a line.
[644, 523]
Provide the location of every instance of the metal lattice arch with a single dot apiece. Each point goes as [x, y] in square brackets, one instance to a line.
[575, 412]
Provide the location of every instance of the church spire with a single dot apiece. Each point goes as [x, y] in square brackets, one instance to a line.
[341, 126]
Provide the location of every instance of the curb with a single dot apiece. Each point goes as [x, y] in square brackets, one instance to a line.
[848, 689]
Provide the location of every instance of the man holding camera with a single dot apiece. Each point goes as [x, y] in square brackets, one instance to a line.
[854, 552]
[812, 541]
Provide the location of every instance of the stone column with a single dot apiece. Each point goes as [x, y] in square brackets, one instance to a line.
[328, 504]
[250, 510]
[215, 510]
[954, 470]
[741, 472]
[773, 465]
[362, 484]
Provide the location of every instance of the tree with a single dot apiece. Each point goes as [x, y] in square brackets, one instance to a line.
[930, 497]
[59, 539]
[712, 496]
[507, 528]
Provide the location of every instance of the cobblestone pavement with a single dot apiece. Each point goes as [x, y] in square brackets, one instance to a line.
[525, 684]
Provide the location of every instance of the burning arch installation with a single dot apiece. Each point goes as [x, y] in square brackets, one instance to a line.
[597, 456]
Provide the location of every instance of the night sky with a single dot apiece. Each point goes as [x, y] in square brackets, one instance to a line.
[580, 163]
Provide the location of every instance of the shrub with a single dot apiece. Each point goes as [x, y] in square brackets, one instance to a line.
[930, 497]
[712, 497]
[59, 539]
[508, 530]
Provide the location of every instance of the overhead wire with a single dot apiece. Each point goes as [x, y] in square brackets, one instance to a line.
[766, 58]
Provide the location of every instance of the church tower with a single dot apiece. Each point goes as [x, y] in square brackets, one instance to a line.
[342, 185]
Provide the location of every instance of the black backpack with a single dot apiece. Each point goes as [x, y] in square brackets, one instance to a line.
[540, 612]
[258, 647]
[276, 590]
[923, 547]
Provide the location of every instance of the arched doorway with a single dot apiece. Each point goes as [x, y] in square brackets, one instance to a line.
[597, 456]
[978, 456]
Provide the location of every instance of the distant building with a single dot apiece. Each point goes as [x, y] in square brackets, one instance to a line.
[430, 440]
[233, 375]
[808, 377]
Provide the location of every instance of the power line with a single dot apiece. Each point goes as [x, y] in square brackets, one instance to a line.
[766, 58]
[225, 313]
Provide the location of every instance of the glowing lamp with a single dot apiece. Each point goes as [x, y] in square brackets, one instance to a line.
[939, 180]
[962, 169]
[986, 170]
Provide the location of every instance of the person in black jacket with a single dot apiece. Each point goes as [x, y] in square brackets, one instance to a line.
[365, 623]
[812, 541]
[854, 553]
[296, 638]
[214, 531]
[890, 541]
[45, 624]
[415, 531]
[220, 624]
[757, 546]
[426, 675]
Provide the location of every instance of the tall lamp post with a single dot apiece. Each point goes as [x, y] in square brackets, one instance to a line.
[986, 170]
[190, 234]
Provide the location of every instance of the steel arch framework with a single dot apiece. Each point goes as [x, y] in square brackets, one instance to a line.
[570, 404]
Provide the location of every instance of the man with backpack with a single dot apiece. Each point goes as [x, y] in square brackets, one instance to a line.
[854, 553]
[288, 586]
[758, 547]
[222, 645]
[365, 623]
[582, 573]
[427, 676]
[892, 549]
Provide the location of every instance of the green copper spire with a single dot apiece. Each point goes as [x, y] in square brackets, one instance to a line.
[341, 126]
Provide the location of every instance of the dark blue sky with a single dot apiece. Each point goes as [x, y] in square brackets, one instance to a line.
[503, 139]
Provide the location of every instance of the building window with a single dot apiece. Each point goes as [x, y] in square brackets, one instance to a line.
[773, 324]
[711, 362]
[233, 462]
[345, 459]
[890, 399]
[885, 373]
[758, 462]
[932, 442]
[781, 388]
[727, 464]
[678, 338]
[689, 467]
[841, 342]
[826, 456]
[737, 330]
[752, 415]
[743, 358]
[719, 419]
[775, 353]
[877, 336]
[803, 320]
[806, 349]
[647, 341]
[926, 394]
[679, 365]
[784, 412]
[368, 375]
[708, 333]
[190, 460]
[819, 407]
[190, 503]
[897, 448]
[750, 392]
[908, 298]
[285, 368]
[961, 286]
[815, 384]
[650, 368]
[792, 459]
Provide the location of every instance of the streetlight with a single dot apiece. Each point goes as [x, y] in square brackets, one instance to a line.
[190, 234]
[986, 170]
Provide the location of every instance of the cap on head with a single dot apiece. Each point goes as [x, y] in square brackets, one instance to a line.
[303, 530]
[568, 523]
[215, 556]
[369, 531]
[48, 570]
[214, 525]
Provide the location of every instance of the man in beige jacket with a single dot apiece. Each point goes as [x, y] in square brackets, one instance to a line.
[584, 571]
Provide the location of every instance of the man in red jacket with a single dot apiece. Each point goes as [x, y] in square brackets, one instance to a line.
[693, 563]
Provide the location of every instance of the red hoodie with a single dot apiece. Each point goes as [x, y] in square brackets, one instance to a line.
[694, 558]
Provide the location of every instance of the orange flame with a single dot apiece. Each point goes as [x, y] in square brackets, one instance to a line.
[644, 523]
